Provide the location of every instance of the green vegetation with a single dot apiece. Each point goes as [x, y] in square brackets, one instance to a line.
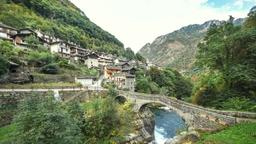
[238, 134]
[107, 121]
[228, 71]
[41, 119]
[140, 58]
[7, 53]
[50, 69]
[3, 65]
[129, 54]
[41, 85]
[61, 19]
[7, 133]
[167, 82]
[40, 60]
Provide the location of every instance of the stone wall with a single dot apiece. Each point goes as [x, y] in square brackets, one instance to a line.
[81, 96]
[144, 123]
[9, 103]
[42, 78]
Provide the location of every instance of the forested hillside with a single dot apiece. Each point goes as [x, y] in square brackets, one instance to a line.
[226, 59]
[59, 18]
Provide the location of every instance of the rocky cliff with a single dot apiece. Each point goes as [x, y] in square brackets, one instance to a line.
[178, 49]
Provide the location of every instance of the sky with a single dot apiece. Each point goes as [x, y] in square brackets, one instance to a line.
[137, 22]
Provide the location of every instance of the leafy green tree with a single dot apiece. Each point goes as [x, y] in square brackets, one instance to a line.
[157, 76]
[38, 59]
[112, 92]
[139, 57]
[143, 85]
[129, 54]
[4, 66]
[102, 121]
[228, 56]
[166, 81]
[251, 20]
[34, 42]
[41, 120]
[7, 49]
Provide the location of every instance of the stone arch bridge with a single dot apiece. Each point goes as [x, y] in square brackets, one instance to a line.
[195, 116]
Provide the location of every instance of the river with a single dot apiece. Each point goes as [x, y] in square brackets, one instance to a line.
[167, 123]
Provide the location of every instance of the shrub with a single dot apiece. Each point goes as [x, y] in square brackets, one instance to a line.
[50, 69]
[37, 58]
[65, 64]
[7, 49]
[238, 103]
[4, 66]
[41, 120]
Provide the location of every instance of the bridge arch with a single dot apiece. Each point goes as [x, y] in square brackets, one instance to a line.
[141, 106]
[148, 104]
[121, 99]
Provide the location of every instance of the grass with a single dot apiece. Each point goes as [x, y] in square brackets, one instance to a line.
[244, 133]
[40, 85]
[6, 133]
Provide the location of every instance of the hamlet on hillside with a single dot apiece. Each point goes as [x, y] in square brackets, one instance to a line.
[115, 69]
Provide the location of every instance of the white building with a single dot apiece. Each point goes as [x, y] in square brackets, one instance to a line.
[7, 32]
[61, 48]
[86, 81]
[91, 60]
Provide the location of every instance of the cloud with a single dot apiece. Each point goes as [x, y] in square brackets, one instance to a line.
[136, 22]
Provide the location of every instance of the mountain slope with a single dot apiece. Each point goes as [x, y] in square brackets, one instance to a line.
[59, 18]
[178, 49]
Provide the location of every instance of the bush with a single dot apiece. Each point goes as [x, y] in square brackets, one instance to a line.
[41, 120]
[142, 85]
[103, 119]
[4, 66]
[164, 81]
[239, 103]
[65, 64]
[50, 69]
[7, 49]
[38, 59]
[206, 89]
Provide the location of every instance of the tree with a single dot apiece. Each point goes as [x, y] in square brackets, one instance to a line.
[140, 58]
[41, 120]
[39, 59]
[7, 49]
[142, 85]
[227, 55]
[102, 121]
[34, 42]
[4, 66]
[129, 54]
[251, 20]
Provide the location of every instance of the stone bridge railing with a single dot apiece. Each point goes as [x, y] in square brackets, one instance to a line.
[222, 117]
